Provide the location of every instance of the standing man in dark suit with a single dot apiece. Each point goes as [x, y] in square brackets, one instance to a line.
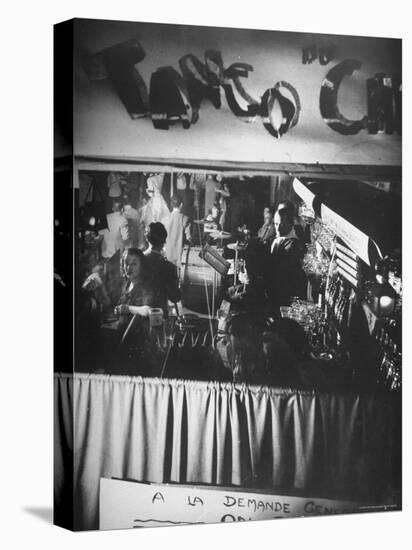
[163, 273]
[285, 277]
[288, 206]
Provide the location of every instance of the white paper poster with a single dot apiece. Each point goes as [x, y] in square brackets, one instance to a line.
[352, 236]
[128, 504]
[304, 193]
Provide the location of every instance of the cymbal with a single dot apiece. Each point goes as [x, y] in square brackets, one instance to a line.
[236, 246]
[220, 235]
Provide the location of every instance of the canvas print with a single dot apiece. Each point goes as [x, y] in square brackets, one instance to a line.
[228, 274]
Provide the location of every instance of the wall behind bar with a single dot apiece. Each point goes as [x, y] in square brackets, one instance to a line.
[104, 128]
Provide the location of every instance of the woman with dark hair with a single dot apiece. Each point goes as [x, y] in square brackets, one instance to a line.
[267, 232]
[137, 294]
[128, 347]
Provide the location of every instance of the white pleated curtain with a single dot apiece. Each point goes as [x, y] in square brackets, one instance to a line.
[194, 432]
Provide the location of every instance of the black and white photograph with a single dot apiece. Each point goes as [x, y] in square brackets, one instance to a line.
[228, 273]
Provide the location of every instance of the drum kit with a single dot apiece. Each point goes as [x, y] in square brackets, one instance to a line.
[199, 281]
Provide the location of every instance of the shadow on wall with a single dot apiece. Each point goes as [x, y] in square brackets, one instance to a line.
[42, 513]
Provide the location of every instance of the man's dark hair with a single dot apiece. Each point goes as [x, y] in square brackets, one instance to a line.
[156, 234]
[286, 215]
[133, 252]
[286, 206]
[175, 201]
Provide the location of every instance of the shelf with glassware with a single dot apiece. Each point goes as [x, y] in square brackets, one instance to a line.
[349, 287]
[361, 298]
[382, 303]
[323, 331]
[332, 270]
[339, 273]
[340, 298]
[325, 348]
[342, 286]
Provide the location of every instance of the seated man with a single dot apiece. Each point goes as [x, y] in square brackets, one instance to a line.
[212, 219]
[163, 273]
[135, 226]
[267, 233]
[116, 236]
[94, 287]
[93, 308]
